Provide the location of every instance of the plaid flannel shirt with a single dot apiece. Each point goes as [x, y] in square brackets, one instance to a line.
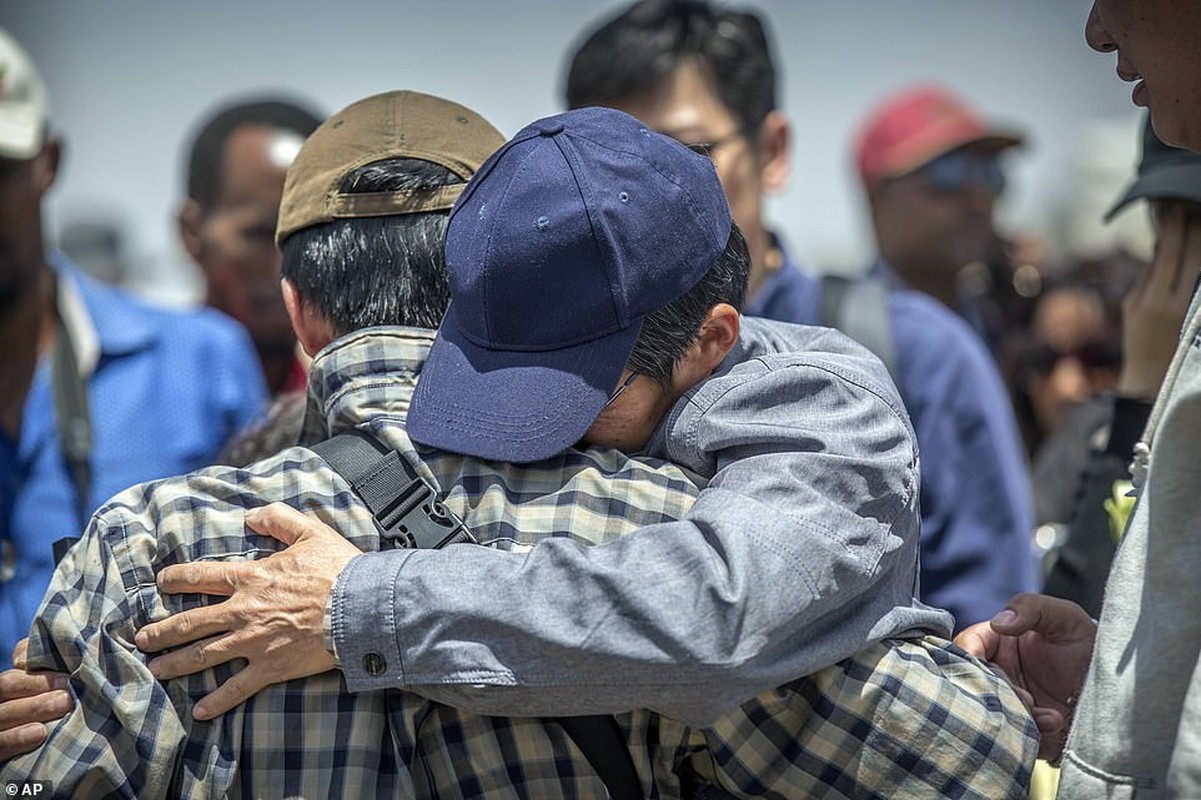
[913, 718]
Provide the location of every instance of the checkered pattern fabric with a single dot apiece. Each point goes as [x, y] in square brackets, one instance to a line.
[902, 719]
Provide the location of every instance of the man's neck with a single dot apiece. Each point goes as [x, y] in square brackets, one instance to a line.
[277, 368]
[26, 331]
[765, 257]
[928, 282]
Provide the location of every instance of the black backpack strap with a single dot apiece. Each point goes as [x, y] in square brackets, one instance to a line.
[404, 504]
[859, 308]
[407, 511]
[600, 740]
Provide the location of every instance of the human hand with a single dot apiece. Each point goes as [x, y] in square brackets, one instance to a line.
[26, 701]
[273, 618]
[1153, 311]
[1044, 645]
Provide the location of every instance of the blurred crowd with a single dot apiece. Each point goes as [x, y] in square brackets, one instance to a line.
[1027, 369]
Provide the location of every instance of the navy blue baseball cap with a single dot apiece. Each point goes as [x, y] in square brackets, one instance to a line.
[560, 246]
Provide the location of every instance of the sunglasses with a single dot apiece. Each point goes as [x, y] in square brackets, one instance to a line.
[1042, 357]
[957, 171]
[617, 392]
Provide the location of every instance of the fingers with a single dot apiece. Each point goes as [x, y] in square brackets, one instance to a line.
[1190, 261]
[17, 683]
[235, 691]
[27, 701]
[281, 521]
[1026, 698]
[21, 653]
[195, 657]
[1050, 745]
[1163, 274]
[1048, 720]
[1055, 618]
[45, 707]
[21, 740]
[187, 626]
[980, 640]
[201, 578]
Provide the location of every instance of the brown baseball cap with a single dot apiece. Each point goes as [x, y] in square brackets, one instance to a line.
[400, 124]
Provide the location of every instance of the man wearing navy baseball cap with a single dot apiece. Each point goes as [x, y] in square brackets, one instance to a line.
[595, 277]
[585, 225]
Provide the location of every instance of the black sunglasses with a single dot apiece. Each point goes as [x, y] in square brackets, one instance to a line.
[957, 170]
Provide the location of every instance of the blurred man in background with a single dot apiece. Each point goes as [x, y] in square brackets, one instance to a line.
[705, 77]
[235, 178]
[932, 174]
[97, 391]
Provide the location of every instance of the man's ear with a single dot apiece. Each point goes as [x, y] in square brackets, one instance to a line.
[312, 330]
[717, 336]
[190, 216]
[45, 167]
[775, 148]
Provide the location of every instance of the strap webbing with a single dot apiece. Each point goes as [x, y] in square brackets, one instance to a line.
[405, 506]
[407, 511]
[73, 416]
[859, 308]
[600, 740]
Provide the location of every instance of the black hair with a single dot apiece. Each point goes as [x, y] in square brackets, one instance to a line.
[368, 271]
[668, 333]
[208, 148]
[640, 47]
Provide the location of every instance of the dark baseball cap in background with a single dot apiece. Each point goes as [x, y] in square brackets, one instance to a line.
[1164, 173]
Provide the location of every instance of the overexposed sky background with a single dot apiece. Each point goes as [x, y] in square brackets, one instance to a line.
[128, 79]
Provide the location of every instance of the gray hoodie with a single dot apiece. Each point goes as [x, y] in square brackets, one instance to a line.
[1137, 727]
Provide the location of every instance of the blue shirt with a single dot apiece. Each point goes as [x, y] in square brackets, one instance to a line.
[166, 389]
[977, 506]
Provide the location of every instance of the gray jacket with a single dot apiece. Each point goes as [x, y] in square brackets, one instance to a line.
[1137, 727]
[801, 550]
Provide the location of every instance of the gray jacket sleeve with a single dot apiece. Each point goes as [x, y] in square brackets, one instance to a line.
[801, 549]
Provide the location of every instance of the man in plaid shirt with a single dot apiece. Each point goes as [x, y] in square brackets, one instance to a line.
[902, 717]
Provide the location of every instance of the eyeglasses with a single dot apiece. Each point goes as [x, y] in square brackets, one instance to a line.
[707, 149]
[617, 392]
[956, 171]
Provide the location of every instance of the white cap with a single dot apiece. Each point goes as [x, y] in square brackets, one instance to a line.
[23, 104]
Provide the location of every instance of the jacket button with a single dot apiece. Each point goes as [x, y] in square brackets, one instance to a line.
[374, 664]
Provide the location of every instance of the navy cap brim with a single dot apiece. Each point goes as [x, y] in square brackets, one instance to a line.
[505, 405]
[1176, 182]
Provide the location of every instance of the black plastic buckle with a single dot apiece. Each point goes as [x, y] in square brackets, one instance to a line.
[417, 519]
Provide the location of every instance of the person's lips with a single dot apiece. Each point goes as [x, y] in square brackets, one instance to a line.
[1139, 95]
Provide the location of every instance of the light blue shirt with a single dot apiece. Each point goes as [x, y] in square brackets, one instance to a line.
[977, 504]
[800, 550]
[166, 390]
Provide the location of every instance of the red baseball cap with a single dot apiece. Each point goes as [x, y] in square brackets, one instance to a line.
[913, 127]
